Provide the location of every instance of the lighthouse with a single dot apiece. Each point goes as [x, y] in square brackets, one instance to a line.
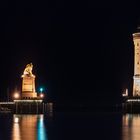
[136, 77]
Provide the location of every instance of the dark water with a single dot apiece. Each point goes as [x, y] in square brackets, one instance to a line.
[70, 126]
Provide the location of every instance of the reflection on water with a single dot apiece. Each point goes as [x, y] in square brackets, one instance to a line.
[28, 127]
[16, 129]
[41, 132]
[131, 127]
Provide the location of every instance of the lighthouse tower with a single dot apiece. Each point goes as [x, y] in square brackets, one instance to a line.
[136, 77]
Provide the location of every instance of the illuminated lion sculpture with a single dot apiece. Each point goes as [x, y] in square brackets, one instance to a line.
[28, 69]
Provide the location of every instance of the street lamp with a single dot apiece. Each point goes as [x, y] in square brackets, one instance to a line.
[41, 92]
[41, 89]
[41, 95]
[16, 95]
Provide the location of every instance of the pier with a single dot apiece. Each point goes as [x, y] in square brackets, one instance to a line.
[27, 101]
[26, 107]
[131, 105]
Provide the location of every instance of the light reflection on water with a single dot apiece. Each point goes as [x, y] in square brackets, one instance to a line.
[28, 127]
[41, 132]
[131, 127]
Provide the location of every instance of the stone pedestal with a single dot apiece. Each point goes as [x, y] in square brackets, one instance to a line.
[28, 87]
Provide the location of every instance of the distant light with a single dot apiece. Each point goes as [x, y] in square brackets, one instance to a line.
[41, 95]
[23, 101]
[41, 89]
[16, 95]
[126, 93]
[133, 100]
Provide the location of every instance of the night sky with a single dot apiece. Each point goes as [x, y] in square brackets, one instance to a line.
[82, 51]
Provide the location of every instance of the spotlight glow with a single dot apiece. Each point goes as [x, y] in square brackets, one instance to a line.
[16, 95]
[41, 95]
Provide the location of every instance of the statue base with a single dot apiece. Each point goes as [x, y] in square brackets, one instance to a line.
[29, 95]
[28, 87]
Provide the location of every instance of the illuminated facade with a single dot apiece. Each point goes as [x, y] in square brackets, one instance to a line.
[136, 78]
[28, 83]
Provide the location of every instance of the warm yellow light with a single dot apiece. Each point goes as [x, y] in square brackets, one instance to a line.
[41, 95]
[16, 95]
[16, 119]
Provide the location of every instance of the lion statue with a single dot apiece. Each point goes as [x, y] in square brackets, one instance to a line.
[28, 69]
